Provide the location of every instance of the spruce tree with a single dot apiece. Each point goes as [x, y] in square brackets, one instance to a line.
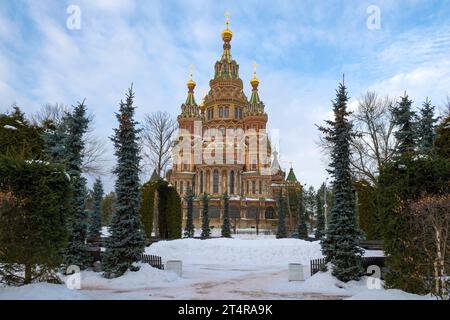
[96, 218]
[301, 217]
[226, 227]
[127, 240]
[426, 128]
[206, 231]
[189, 230]
[281, 231]
[341, 243]
[404, 120]
[55, 141]
[320, 227]
[442, 142]
[77, 125]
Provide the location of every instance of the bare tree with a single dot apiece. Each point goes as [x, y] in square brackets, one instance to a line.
[50, 113]
[375, 142]
[94, 151]
[157, 134]
[431, 220]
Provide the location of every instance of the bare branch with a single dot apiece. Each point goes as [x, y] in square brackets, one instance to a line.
[157, 134]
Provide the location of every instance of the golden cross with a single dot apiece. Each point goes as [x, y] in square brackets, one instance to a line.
[227, 16]
[254, 68]
[191, 68]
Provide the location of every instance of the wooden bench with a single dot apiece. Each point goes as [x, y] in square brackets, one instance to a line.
[317, 264]
[371, 244]
[154, 261]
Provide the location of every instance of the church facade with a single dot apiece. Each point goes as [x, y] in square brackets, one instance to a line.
[223, 146]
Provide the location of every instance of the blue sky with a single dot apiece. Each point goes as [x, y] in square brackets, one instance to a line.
[302, 49]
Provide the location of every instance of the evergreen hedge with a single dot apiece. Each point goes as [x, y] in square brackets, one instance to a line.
[34, 198]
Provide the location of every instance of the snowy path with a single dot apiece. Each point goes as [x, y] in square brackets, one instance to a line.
[217, 282]
[216, 269]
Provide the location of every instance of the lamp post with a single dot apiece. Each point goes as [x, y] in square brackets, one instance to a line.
[325, 205]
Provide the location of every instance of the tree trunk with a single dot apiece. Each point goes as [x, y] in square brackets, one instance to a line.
[289, 211]
[28, 271]
[156, 215]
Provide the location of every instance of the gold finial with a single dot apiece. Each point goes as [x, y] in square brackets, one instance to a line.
[254, 81]
[191, 83]
[227, 35]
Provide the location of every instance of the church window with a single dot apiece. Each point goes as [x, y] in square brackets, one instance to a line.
[188, 186]
[269, 213]
[201, 181]
[227, 112]
[221, 112]
[216, 181]
[248, 190]
[181, 187]
[232, 182]
[238, 113]
[254, 187]
[260, 187]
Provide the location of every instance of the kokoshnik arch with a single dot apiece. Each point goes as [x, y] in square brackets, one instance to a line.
[223, 146]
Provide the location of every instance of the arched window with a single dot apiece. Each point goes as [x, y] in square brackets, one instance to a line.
[260, 187]
[234, 212]
[232, 182]
[270, 213]
[254, 187]
[181, 187]
[201, 181]
[252, 212]
[220, 112]
[216, 181]
[213, 212]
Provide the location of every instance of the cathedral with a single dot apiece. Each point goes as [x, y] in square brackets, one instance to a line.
[223, 146]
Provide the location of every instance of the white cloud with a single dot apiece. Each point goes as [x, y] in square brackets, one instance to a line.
[153, 43]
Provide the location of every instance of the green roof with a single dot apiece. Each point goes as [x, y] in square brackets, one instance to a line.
[190, 100]
[255, 97]
[291, 176]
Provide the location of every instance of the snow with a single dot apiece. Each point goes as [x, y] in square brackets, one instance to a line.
[389, 294]
[7, 126]
[105, 232]
[224, 269]
[146, 277]
[237, 251]
[40, 291]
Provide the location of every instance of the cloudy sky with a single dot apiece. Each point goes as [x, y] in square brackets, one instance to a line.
[302, 49]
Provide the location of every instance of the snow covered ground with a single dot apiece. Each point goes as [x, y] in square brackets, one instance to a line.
[245, 268]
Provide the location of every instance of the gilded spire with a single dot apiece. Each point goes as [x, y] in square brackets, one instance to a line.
[227, 35]
[254, 99]
[190, 100]
[191, 83]
[254, 81]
